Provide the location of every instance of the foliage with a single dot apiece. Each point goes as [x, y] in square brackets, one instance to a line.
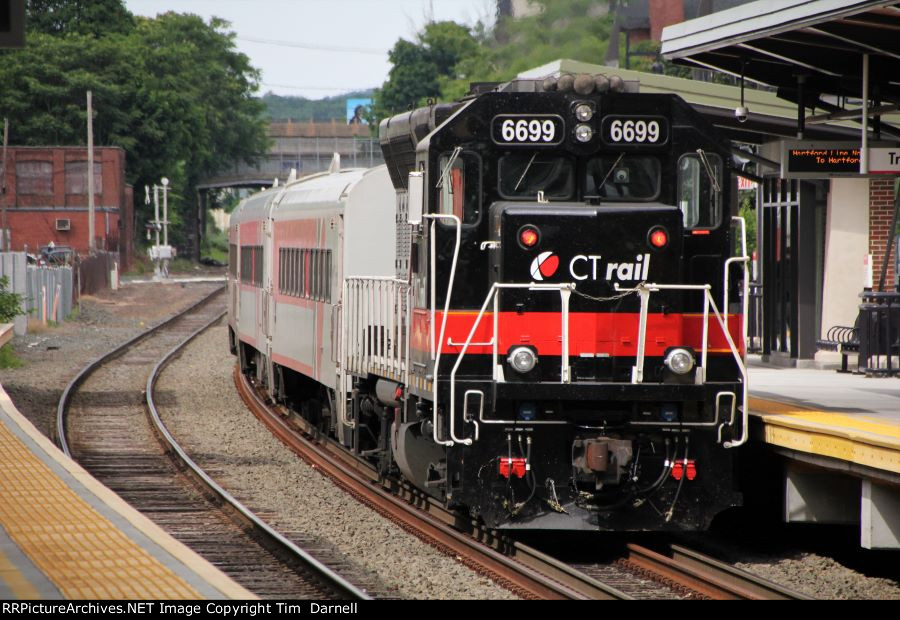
[447, 57]
[215, 243]
[747, 210]
[172, 91]
[302, 109]
[419, 67]
[86, 17]
[10, 303]
[8, 358]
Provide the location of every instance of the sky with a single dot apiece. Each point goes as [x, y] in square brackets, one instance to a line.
[320, 48]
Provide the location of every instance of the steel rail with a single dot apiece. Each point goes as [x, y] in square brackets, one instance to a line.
[537, 577]
[754, 586]
[329, 578]
[706, 576]
[65, 400]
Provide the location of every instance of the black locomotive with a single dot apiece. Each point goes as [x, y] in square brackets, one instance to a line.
[569, 405]
[532, 313]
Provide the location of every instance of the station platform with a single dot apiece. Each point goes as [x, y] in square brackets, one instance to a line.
[841, 434]
[63, 535]
[844, 416]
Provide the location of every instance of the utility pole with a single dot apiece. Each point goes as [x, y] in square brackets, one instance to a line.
[165, 222]
[90, 173]
[4, 233]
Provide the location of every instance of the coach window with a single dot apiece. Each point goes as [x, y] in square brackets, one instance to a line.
[524, 174]
[459, 185]
[699, 190]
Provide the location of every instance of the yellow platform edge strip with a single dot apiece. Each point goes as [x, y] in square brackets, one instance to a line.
[17, 583]
[190, 559]
[849, 437]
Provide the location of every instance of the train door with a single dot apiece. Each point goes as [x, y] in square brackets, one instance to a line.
[336, 275]
[268, 310]
[235, 275]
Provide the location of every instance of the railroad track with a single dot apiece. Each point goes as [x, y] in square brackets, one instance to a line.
[638, 573]
[107, 420]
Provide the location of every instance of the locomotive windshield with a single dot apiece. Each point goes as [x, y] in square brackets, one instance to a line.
[698, 198]
[460, 190]
[524, 174]
[622, 178]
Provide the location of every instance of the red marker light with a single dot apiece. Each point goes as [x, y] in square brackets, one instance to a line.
[528, 237]
[659, 238]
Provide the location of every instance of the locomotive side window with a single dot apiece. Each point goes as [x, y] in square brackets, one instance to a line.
[460, 188]
[698, 197]
[621, 178]
[524, 174]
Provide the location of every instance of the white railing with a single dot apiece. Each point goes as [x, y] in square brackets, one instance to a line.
[375, 332]
[644, 289]
[565, 292]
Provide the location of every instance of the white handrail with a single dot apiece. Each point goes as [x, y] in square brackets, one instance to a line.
[565, 291]
[708, 303]
[440, 344]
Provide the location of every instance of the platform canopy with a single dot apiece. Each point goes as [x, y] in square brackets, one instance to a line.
[770, 117]
[814, 51]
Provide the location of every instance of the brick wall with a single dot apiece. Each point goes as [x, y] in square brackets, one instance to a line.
[664, 13]
[57, 189]
[881, 213]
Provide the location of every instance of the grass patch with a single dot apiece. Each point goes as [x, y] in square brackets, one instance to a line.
[8, 358]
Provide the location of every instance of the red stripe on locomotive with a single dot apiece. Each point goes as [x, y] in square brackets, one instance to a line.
[615, 334]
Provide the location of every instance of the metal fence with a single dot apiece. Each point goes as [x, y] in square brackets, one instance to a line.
[879, 334]
[95, 272]
[50, 292]
[12, 265]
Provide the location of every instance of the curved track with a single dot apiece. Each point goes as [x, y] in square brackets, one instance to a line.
[103, 423]
[638, 573]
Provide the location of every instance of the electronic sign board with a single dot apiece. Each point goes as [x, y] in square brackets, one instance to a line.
[819, 160]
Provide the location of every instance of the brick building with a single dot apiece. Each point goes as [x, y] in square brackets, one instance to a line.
[881, 216]
[46, 199]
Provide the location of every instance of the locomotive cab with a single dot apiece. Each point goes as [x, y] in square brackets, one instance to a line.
[565, 354]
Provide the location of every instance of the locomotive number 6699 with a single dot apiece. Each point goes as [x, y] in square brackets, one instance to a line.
[645, 130]
[534, 130]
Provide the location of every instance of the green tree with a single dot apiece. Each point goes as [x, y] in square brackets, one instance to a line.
[90, 17]
[447, 57]
[172, 91]
[421, 67]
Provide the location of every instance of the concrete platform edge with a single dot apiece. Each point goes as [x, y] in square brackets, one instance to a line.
[22, 427]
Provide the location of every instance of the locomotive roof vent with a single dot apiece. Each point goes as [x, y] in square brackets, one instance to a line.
[583, 84]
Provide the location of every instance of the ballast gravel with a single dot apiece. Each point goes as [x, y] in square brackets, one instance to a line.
[821, 577]
[204, 412]
[53, 355]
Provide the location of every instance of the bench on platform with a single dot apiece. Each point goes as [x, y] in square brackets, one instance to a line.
[843, 339]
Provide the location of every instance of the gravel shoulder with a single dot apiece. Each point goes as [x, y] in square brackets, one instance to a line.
[52, 356]
[206, 414]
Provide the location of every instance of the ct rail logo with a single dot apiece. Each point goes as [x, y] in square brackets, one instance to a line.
[544, 266]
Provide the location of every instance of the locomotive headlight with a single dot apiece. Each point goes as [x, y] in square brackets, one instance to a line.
[679, 361]
[584, 112]
[584, 133]
[522, 359]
